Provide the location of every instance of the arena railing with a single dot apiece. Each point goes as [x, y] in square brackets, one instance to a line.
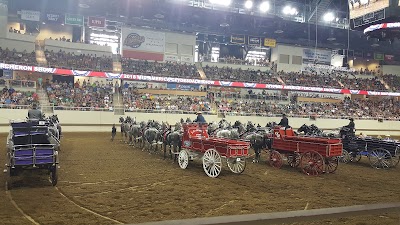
[11, 106]
[238, 62]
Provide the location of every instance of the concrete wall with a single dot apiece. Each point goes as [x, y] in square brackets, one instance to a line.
[290, 51]
[389, 69]
[54, 31]
[180, 47]
[19, 42]
[77, 48]
[235, 66]
[102, 121]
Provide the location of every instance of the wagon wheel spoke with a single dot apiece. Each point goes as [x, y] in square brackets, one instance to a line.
[380, 159]
[212, 163]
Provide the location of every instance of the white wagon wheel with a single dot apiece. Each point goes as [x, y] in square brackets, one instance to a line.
[345, 157]
[212, 164]
[380, 158]
[183, 159]
[236, 165]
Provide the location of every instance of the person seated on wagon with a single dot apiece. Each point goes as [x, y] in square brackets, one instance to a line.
[351, 124]
[284, 122]
[200, 118]
[35, 113]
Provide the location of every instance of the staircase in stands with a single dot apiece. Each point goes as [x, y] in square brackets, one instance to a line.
[201, 71]
[39, 51]
[118, 104]
[44, 102]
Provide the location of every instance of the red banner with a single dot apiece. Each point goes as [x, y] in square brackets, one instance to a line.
[389, 57]
[96, 21]
[161, 79]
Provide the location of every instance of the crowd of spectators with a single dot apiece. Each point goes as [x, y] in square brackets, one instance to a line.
[68, 60]
[386, 108]
[230, 74]
[393, 81]
[362, 83]
[14, 57]
[10, 98]
[309, 79]
[172, 69]
[92, 96]
[139, 101]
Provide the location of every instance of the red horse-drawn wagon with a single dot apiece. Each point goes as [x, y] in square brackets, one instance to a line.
[314, 155]
[196, 143]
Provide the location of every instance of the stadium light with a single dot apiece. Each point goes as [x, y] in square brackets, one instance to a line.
[221, 2]
[264, 7]
[329, 17]
[248, 4]
[288, 10]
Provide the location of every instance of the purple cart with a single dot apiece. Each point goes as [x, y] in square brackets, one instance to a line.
[29, 148]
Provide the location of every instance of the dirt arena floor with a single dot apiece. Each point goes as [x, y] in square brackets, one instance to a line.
[103, 182]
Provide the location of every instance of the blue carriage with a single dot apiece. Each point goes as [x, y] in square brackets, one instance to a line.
[381, 153]
[29, 147]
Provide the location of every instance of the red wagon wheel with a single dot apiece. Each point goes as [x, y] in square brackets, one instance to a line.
[331, 164]
[312, 163]
[275, 159]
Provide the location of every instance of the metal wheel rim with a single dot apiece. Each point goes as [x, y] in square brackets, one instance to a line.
[355, 156]
[380, 159]
[183, 159]
[236, 166]
[396, 160]
[293, 160]
[346, 157]
[312, 163]
[275, 159]
[331, 164]
[212, 163]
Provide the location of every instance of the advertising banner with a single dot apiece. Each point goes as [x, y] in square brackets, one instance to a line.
[30, 15]
[389, 57]
[7, 74]
[171, 58]
[143, 40]
[379, 56]
[185, 83]
[75, 20]
[53, 18]
[187, 59]
[255, 41]
[238, 39]
[183, 87]
[269, 42]
[96, 21]
[317, 56]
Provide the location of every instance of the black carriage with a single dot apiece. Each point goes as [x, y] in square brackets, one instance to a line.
[29, 147]
[381, 153]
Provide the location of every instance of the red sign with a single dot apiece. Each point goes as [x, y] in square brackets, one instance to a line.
[96, 21]
[389, 57]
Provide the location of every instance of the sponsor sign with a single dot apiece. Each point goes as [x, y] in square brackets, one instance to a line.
[369, 55]
[184, 87]
[76, 20]
[53, 18]
[171, 58]
[187, 59]
[143, 40]
[317, 56]
[238, 39]
[254, 41]
[389, 57]
[30, 15]
[96, 21]
[379, 56]
[269, 42]
[7, 74]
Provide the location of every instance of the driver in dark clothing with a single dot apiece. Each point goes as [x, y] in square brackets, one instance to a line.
[200, 118]
[351, 125]
[34, 113]
[284, 121]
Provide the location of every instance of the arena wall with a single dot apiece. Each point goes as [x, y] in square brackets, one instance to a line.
[389, 69]
[235, 66]
[280, 53]
[19, 42]
[102, 121]
[77, 48]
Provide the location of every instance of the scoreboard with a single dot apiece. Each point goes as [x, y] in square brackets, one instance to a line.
[367, 12]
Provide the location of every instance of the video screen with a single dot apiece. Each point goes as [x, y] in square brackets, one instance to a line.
[359, 8]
